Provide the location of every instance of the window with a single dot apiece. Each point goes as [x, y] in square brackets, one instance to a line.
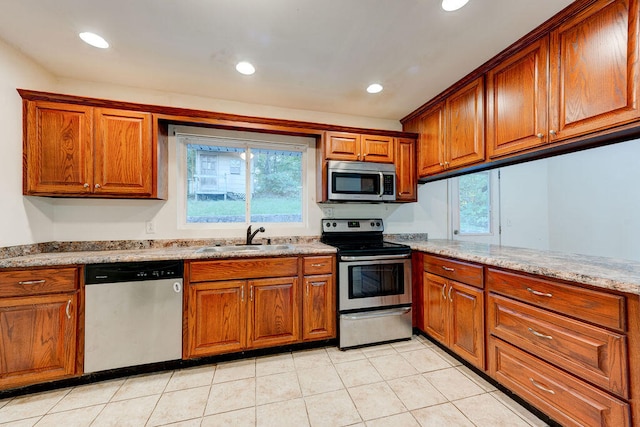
[230, 180]
[475, 206]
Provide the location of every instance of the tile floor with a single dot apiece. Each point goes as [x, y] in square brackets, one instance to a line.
[410, 383]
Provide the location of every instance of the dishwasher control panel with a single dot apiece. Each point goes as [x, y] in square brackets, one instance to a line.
[132, 271]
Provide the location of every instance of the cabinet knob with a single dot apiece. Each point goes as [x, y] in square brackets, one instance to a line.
[86, 185]
[540, 135]
[446, 164]
[97, 185]
[552, 132]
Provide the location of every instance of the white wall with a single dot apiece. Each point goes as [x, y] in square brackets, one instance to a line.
[594, 201]
[524, 205]
[24, 220]
[27, 220]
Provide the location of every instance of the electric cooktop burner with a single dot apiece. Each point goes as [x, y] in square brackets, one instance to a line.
[359, 237]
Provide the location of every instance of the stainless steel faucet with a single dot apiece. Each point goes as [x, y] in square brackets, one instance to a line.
[250, 235]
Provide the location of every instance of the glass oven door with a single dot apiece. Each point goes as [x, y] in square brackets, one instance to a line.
[374, 281]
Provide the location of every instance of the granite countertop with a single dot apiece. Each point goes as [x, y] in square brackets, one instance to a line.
[607, 273]
[154, 254]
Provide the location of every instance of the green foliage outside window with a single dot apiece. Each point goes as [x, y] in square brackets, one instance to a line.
[475, 203]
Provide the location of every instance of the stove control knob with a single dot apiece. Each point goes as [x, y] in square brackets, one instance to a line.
[373, 223]
[334, 224]
[378, 224]
[328, 224]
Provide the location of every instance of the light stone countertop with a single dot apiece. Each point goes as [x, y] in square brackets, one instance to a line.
[607, 273]
[154, 254]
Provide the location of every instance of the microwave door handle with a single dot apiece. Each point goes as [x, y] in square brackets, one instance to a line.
[381, 184]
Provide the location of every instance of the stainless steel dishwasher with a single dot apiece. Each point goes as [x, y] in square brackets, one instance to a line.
[133, 314]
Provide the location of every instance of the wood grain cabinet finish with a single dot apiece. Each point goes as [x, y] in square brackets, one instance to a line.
[454, 314]
[319, 298]
[558, 394]
[75, 150]
[517, 93]
[406, 179]
[592, 353]
[274, 312]
[594, 70]
[38, 333]
[452, 132]
[357, 147]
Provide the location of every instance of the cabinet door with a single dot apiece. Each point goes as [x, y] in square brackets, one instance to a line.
[517, 93]
[406, 181]
[124, 161]
[466, 316]
[58, 149]
[342, 146]
[464, 136]
[377, 148]
[435, 307]
[216, 318]
[318, 312]
[594, 69]
[431, 141]
[37, 339]
[274, 317]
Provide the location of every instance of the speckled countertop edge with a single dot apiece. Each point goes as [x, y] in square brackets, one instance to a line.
[607, 273]
[152, 254]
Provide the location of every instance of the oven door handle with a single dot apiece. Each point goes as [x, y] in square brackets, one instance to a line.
[380, 313]
[374, 257]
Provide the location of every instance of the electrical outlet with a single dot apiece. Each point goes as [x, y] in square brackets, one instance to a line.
[150, 227]
[328, 212]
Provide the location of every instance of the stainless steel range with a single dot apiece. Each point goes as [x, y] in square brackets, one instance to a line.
[374, 282]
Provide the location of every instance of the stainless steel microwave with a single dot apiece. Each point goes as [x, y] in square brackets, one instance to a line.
[361, 181]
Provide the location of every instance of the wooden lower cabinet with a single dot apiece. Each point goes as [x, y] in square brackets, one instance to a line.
[225, 331]
[38, 338]
[454, 315]
[274, 317]
[318, 311]
[563, 397]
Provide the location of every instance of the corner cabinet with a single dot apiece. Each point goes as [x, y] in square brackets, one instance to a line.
[452, 132]
[74, 150]
[453, 306]
[38, 325]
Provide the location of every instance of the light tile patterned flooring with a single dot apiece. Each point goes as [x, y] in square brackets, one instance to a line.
[409, 383]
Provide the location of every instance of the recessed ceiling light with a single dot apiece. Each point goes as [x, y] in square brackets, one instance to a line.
[451, 5]
[374, 88]
[245, 68]
[94, 40]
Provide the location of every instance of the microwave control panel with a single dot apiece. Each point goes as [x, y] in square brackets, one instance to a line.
[388, 183]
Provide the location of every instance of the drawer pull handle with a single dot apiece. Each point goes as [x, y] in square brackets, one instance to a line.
[67, 310]
[540, 294]
[548, 390]
[538, 334]
[318, 265]
[32, 282]
[448, 268]
[316, 284]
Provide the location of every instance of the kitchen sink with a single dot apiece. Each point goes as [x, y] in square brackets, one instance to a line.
[246, 248]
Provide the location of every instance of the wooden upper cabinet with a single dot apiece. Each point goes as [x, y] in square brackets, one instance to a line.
[464, 121]
[452, 132]
[594, 69]
[356, 147]
[58, 148]
[517, 92]
[406, 187]
[123, 152]
[431, 141]
[77, 150]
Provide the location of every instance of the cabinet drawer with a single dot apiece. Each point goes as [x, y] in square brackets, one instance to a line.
[601, 308]
[558, 394]
[204, 271]
[591, 353]
[318, 265]
[460, 271]
[38, 281]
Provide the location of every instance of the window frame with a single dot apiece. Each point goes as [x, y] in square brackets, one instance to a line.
[239, 139]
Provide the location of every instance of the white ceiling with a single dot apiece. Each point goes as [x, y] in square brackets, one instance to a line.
[309, 54]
